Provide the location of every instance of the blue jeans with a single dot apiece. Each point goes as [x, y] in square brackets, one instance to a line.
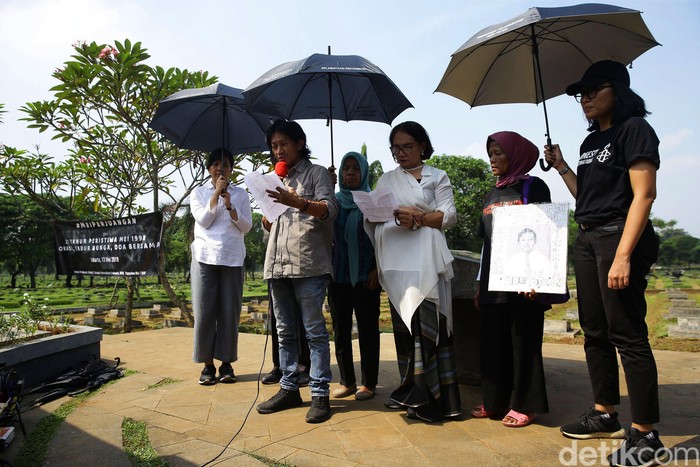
[308, 293]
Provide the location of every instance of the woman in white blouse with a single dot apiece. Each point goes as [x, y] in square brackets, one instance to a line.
[414, 266]
[222, 217]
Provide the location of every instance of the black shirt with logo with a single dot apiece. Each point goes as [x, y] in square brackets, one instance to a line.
[604, 192]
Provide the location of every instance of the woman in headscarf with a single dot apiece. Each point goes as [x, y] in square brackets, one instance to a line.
[415, 269]
[512, 373]
[355, 285]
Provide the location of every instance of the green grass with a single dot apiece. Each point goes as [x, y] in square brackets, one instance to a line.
[33, 450]
[137, 445]
[103, 291]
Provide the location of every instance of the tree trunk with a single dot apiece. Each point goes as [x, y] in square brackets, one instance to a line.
[13, 279]
[179, 302]
[130, 287]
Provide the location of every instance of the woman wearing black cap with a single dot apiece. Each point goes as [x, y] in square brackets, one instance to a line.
[615, 187]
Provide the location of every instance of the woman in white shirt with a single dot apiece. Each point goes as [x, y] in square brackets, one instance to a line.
[415, 269]
[222, 217]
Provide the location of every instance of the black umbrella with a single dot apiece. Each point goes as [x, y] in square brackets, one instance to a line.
[209, 118]
[343, 87]
[534, 56]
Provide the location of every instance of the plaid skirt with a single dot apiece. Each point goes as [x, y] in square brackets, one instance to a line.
[426, 361]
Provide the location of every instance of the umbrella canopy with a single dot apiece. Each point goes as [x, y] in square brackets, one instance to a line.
[343, 87]
[534, 56]
[209, 118]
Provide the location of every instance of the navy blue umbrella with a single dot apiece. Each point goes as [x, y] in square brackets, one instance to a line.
[537, 54]
[343, 87]
[205, 119]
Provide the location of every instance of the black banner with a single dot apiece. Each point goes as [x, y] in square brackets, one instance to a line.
[113, 247]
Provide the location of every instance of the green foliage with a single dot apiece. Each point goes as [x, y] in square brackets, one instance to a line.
[471, 180]
[375, 171]
[20, 326]
[103, 103]
[255, 246]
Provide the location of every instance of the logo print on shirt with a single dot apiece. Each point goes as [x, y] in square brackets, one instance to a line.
[605, 154]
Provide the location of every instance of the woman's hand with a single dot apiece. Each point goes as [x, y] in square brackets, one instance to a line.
[531, 295]
[220, 187]
[408, 216]
[554, 157]
[619, 274]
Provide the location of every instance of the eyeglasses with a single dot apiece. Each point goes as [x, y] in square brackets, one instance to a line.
[591, 93]
[406, 148]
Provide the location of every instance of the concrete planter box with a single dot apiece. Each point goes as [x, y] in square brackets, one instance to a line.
[40, 359]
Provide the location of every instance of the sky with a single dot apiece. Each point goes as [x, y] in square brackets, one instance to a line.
[410, 40]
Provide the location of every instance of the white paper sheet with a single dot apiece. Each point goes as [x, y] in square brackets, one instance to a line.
[257, 183]
[377, 205]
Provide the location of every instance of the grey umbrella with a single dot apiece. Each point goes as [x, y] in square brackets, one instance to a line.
[343, 87]
[535, 55]
[209, 118]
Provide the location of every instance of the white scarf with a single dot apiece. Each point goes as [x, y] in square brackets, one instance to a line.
[413, 265]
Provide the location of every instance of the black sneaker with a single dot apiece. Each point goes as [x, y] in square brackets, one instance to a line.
[640, 450]
[273, 377]
[283, 400]
[208, 375]
[320, 410]
[226, 374]
[594, 424]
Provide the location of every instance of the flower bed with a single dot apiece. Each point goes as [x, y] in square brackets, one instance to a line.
[41, 358]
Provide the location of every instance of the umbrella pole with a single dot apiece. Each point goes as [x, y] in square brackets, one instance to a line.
[330, 109]
[536, 53]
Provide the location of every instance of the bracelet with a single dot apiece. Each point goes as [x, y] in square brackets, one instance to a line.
[306, 206]
[564, 170]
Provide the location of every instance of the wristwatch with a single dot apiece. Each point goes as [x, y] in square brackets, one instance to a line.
[564, 170]
[415, 225]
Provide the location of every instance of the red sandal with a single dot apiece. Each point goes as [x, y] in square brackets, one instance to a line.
[521, 419]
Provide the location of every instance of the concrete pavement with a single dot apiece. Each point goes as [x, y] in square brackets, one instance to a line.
[189, 424]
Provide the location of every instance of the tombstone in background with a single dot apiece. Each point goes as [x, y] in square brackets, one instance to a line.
[465, 317]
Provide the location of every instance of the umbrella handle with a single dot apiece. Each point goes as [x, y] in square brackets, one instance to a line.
[545, 166]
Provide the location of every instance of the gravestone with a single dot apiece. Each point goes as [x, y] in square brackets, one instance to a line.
[93, 321]
[687, 327]
[151, 314]
[246, 309]
[95, 312]
[572, 314]
[466, 320]
[173, 323]
[116, 312]
[176, 313]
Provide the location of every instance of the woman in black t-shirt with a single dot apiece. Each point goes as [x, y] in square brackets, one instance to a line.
[616, 245]
[510, 348]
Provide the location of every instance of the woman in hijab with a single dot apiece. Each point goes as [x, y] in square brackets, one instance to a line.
[355, 285]
[512, 373]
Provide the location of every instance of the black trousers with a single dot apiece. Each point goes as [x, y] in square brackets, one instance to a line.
[343, 299]
[304, 352]
[512, 372]
[615, 319]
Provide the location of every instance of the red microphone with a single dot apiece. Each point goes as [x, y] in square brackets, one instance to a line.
[281, 169]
